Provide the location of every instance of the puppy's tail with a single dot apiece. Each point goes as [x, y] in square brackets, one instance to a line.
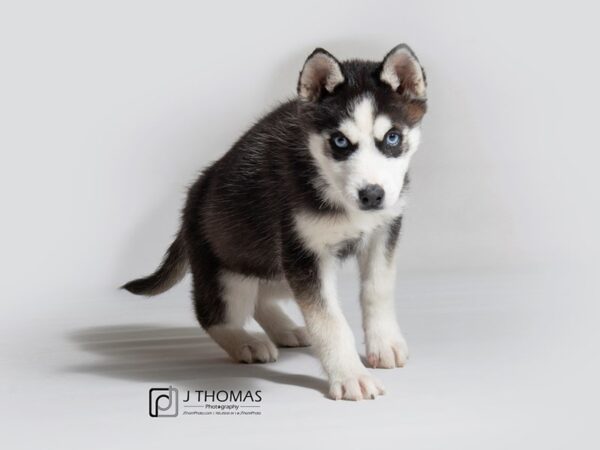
[172, 269]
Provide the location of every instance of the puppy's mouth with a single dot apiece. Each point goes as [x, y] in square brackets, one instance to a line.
[369, 208]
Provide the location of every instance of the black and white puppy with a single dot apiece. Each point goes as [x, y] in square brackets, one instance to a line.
[318, 179]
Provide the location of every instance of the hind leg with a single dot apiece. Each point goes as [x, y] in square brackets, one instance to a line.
[224, 302]
[269, 314]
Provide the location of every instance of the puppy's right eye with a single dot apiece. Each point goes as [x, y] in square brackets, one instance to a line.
[339, 141]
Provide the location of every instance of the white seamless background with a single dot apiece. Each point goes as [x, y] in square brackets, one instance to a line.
[108, 110]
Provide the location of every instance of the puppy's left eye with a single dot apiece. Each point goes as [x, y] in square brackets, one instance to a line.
[393, 138]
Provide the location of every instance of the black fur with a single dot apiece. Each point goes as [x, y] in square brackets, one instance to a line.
[340, 154]
[239, 214]
[348, 248]
[171, 270]
[393, 235]
[389, 150]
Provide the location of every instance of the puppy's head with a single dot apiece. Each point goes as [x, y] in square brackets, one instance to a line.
[364, 120]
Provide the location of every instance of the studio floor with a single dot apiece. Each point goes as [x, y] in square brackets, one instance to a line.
[498, 360]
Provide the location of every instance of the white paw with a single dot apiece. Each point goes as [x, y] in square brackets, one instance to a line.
[256, 351]
[296, 337]
[386, 350]
[356, 385]
[243, 346]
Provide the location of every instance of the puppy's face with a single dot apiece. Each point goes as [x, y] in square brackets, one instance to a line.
[365, 120]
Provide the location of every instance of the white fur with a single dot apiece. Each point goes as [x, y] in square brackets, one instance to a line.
[322, 233]
[334, 343]
[341, 181]
[269, 314]
[381, 126]
[367, 165]
[386, 347]
[240, 295]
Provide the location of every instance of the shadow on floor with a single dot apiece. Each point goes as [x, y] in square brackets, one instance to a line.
[177, 355]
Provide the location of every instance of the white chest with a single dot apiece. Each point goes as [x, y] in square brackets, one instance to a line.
[324, 233]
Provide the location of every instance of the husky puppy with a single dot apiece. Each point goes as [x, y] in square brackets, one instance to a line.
[320, 178]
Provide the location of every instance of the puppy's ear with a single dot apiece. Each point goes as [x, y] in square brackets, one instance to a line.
[402, 71]
[321, 74]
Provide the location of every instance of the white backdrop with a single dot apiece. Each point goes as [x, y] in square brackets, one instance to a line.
[108, 110]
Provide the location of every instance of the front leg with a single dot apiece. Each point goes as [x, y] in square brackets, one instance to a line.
[385, 344]
[312, 278]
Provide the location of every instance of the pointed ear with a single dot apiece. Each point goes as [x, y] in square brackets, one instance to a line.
[402, 71]
[321, 73]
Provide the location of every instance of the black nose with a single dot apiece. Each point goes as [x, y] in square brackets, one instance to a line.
[371, 196]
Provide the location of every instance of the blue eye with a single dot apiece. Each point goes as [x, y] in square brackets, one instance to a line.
[340, 141]
[392, 138]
